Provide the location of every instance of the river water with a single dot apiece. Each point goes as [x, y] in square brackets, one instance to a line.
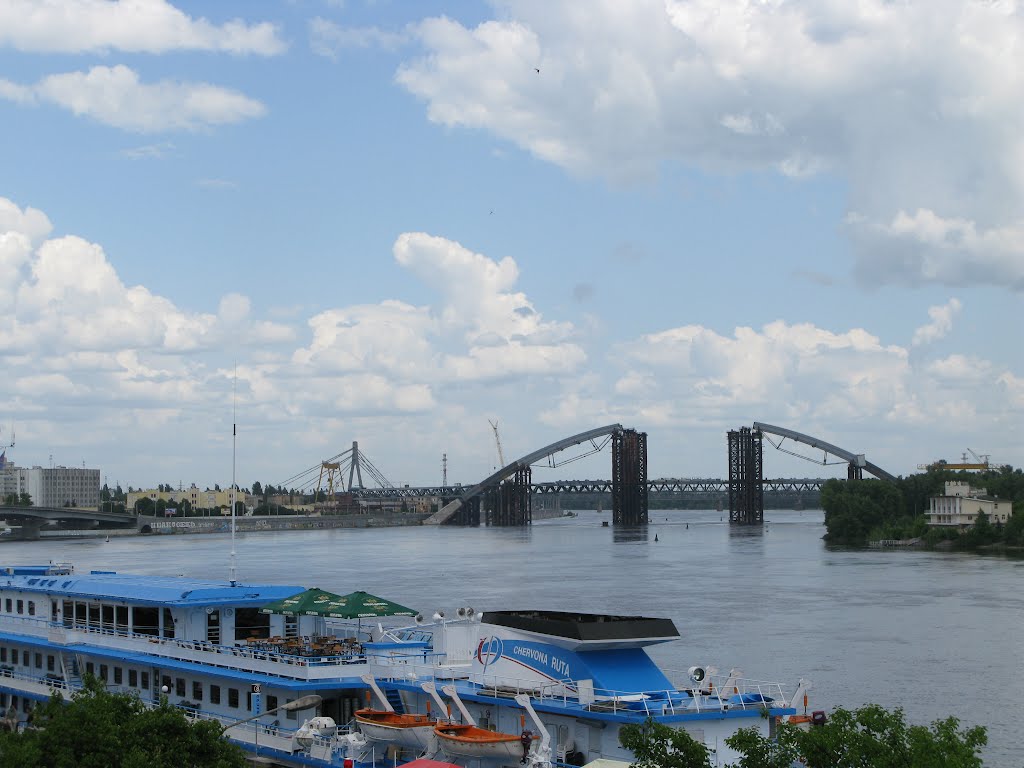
[937, 634]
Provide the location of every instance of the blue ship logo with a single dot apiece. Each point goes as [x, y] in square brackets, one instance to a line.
[489, 650]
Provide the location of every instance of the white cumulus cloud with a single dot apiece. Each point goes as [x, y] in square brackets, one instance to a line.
[115, 96]
[941, 322]
[914, 104]
[137, 26]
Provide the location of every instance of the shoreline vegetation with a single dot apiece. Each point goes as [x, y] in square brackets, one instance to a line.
[879, 513]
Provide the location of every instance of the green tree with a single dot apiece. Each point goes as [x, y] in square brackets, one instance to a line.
[144, 506]
[257, 489]
[869, 737]
[98, 729]
[656, 745]
[24, 500]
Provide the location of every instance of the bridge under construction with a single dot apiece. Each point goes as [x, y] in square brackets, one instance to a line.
[505, 498]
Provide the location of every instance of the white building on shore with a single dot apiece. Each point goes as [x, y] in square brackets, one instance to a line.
[961, 504]
[53, 486]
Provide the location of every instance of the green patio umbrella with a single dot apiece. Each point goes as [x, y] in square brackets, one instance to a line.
[319, 602]
[312, 602]
[363, 605]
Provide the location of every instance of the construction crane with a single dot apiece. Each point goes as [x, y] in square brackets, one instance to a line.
[497, 440]
[980, 463]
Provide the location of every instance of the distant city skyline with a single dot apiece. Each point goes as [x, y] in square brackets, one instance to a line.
[397, 222]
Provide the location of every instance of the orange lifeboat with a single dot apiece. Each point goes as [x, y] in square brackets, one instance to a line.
[408, 730]
[472, 741]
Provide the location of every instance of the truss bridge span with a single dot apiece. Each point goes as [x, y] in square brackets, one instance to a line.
[678, 485]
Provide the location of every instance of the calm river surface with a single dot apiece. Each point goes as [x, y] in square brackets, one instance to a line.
[934, 633]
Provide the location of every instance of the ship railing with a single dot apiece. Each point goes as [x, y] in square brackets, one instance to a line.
[241, 656]
[42, 685]
[742, 693]
[269, 735]
[35, 626]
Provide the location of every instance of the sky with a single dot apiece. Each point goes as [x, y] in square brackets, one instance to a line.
[331, 221]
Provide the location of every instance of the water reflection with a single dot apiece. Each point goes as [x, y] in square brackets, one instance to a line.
[630, 535]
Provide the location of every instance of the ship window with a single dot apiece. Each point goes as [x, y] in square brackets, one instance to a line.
[121, 618]
[291, 714]
[233, 697]
[133, 678]
[51, 663]
[108, 616]
[94, 615]
[53, 610]
[31, 607]
[165, 684]
[8, 605]
[21, 606]
[215, 694]
[197, 690]
[39, 661]
[145, 620]
[90, 669]
[291, 626]
[145, 681]
[168, 623]
[69, 613]
[118, 676]
[103, 672]
[81, 612]
[271, 703]
[251, 622]
[3, 654]
[179, 686]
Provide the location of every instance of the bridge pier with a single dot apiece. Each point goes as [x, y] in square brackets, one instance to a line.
[629, 477]
[746, 476]
[512, 502]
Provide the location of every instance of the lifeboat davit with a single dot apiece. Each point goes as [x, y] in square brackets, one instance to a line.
[460, 740]
[411, 731]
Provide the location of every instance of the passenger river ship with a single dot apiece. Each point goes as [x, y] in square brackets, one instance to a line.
[481, 690]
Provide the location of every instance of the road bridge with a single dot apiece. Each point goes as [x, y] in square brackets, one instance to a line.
[29, 520]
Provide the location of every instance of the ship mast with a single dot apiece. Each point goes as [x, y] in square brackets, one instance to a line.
[234, 436]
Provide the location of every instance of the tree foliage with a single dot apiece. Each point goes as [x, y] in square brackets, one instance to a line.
[865, 510]
[869, 737]
[98, 729]
[656, 745]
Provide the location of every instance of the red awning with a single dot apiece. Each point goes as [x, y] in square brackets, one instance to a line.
[424, 763]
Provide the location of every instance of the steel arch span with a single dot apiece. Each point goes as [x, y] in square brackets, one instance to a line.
[856, 460]
[510, 469]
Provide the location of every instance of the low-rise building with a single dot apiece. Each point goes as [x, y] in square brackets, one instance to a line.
[961, 504]
[196, 497]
